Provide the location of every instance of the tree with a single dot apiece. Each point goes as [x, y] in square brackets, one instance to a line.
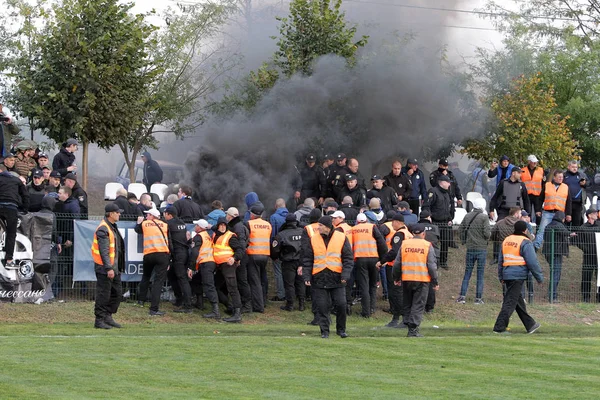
[84, 78]
[525, 122]
[314, 28]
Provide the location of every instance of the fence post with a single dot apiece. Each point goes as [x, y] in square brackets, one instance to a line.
[551, 291]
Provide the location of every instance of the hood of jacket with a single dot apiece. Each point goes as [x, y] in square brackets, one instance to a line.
[282, 212]
[250, 199]
[147, 155]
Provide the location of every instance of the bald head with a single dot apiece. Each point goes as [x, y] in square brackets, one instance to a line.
[122, 192]
[280, 203]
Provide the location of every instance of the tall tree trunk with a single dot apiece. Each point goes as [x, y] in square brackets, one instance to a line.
[84, 166]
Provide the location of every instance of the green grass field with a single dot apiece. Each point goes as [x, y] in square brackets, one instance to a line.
[277, 355]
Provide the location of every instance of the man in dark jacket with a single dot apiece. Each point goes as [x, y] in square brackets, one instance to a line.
[432, 235]
[586, 241]
[178, 272]
[337, 181]
[37, 191]
[109, 261]
[187, 209]
[399, 181]
[418, 187]
[153, 173]
[64, 161]
[78, 194]
[454, 186]
[441, 207]
[311, 182]
[510, 193]
[130, 211]
[385, 194]
[286, 247]
[13, 195]
[235, 225]
[358, 194]
[556, 246]
[350, 212]
[577, 182]
[326, 267]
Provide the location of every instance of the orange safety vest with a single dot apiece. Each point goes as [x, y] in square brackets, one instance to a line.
[363, 242]
[259, 242]
[312, 229]
[414, 260]
[205, 254]
[330, 257]
[407, 235]
[222, 251]
[388, 238]
[347, 229]
[154, 240]
[511, 251]
[111, 247]
[533, 183]
[556, 199]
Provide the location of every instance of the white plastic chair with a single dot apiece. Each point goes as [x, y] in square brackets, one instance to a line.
[110, 190]
[137, 188]
[159, 189]
[459, 215]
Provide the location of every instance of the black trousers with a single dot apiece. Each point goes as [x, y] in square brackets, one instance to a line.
[108, 295]
[157, 263]
[179, 279]
[445, 238]
[229, 273]
[576, 214]
[394, 294]
[414, 299]
[366, 276]
[322, 299]
[414, 205]
[256, 266]
[293, 283]
[11, 220]
[207, 271]
[513, 300]
[221, 287]
[350, 289]
[587, 283]
[241, 274]
[196, 284]
[536, 206]
[430, 304]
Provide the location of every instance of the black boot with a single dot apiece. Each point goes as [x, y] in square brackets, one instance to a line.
[236, 317]
[214, 313]
[301, 305]
[110, 321]
[100, 324]
[289, 306]
[199, 304]
[394, 322]
[349, 309]
[186, 309]
[414, 332]
[247, 308]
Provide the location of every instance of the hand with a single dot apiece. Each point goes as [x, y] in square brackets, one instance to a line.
[321, 200]
[378, 265]
[59, 248]
[491, 215]
[459, 202]
[410, 171]
[299, 271]
[573, 234]
[494, 165]
[307, 283]
[398, 283]
[449, 223]
[140, 220]
[231, 261]
[538, 214]
[188, 235]
[68, 244]
[400, 197]
[297, 195]
[111, 274]
[568, 218]
[436, 287]
[189, 273]
[72, 168]
[445, 172]
[343, 281]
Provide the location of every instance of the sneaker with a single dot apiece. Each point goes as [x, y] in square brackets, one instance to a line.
[534, 328]
[479, 301]
[461, 300]
[11, 265]
[156, 313]
[413, 333]
[504, 332]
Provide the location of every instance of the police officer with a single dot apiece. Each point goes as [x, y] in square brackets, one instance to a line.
[510, 193]
[353, 190]
[369, 247]
[258, 252]
[534, 178]
[109, 261]
[37, 191]
[454, 187]
[415, 269]
[286, 247]
[13, 195]
[78, 194]
[514, 262]
[441, 207]
[156, 258]
[178, 272]
[399, 181]
[326, 267]
[337, 174]
[205, 264]
[418, 187]
[312, 181]
[385, 194]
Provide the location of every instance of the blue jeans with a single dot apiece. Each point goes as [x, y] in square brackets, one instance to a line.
[539, 236]
[554, 275]
[472, 257]
[278, 279]
[383, 278]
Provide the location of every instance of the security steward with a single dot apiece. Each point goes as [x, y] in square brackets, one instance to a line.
[258, 252]
[510, 193]
[443, 170]
[286, 247]
[339, 223]
[178, 272]
[415, 269]
[13, 195]
[441, 207]
[156, 258]
[109, 261]
[515, 261]
[228, 252]
[534, 177]
[305, 243]
[369, 247]
[432, 235]
[399, 233]
[205, 264]
[326, 267]
[555, 197]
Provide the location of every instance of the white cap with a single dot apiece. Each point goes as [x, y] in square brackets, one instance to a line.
[233, 212]
[153, 211]
[361, 218]
[338, 214]
[202, 223]
[532, 158]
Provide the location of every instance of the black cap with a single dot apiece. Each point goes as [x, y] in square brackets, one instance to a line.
[443, 162]
[71, 176]
[516, 169]
[131, 196]
[418, 228]
[504, 158]
[9, 155]
[403, 204]
[314, 215]
[350, 177]
[425, 214]
[112, 207]
[444, 178]
[413, 161]
[72, 141]
[38, 173]
[327, 221]
[291, 217]
[340, 156]
[55, 174]
[311, 157]
[390, 214]
[328, 156]
[221, 220]
[171, 211]
[331, 204]
[45, 167]
[520, 226]
[398, 217]
[590, 211]
[524, 213]
[42, 155]
[257, 209]
[376, 178]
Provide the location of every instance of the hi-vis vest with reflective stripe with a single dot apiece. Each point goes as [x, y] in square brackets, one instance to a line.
[347, 231]
[221, 249]
[414, 260]
[259, 242]
[330, 257]
[111, 248]
[205, 254]
[511, 251]
[154, 241]
[363, 242]
[312, 229]
[407, 235]
[533, 183]
[556, 199]
[390, 235]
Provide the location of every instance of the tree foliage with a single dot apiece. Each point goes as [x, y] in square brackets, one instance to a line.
[525, 121]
